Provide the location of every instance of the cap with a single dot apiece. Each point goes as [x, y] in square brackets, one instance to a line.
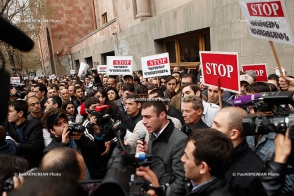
[128, 76]
[15, 37]
[246, 78]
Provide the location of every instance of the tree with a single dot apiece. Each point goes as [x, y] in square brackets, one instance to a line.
[27, 15]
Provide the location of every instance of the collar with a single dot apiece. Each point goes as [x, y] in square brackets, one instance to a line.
[205, 106]
[197, 187]
[165, 132]
[157, 135]
[139, 114]
[195, 125]
[21, 125]
[240, 150]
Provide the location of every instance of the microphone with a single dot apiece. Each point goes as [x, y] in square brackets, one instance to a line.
[142, 136]
[120, 131]
[246, 100]
[141, 155]
[15, 37]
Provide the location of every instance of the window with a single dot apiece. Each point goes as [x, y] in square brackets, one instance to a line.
[104, 18]
[184, 49]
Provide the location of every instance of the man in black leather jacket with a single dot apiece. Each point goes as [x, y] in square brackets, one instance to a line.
[274, 180]
[245, 163]
[55, 120]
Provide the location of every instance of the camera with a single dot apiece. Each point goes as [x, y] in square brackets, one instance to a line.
[270, 117]
[20, 93]
[9, 184]
[104, 120]
[75, 127]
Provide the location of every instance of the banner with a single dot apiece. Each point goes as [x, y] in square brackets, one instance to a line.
[102, 69]
[259, 69]
[267, 19]
[14, 80]
[83, 69]
[120, 65]
[220, 66]
[156, 65]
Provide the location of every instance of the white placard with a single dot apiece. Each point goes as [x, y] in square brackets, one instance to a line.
[53, 76]
[102, 69]
[155, 65]
[119, 65]
[83, 68]
[72, 72]
[267, 19]
[14, 80]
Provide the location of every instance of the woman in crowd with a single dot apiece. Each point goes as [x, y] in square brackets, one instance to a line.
[112, 93]
[71, 110]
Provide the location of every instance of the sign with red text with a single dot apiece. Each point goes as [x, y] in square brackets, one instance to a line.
[14, 80]
[120, 65]
[102, 69]
[259, 69]
[155, 65]
[267, 19]
[222, 65]
[72, 72]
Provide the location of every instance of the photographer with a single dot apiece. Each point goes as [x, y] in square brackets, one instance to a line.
[56, 122]
[274, 182]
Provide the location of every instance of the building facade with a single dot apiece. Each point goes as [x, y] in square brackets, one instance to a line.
[141, 28]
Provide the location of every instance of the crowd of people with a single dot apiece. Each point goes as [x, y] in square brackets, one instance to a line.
[67, 126]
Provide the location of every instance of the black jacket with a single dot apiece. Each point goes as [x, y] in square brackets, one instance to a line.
[199, 125]
[173, 112]
[89, 150]
[245, 162]
[33, 145]
[131, 122]
[217, 187]
[273, 184]
[121, 110]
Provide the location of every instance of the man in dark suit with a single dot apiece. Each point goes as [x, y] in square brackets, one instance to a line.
[166, 142]
[192, 112]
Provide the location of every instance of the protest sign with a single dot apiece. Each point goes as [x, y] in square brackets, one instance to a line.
[120, 65]
[14, 80]
[83, 69]
[259, 69]
[102, 69]
[72, 72]
[267, 19]
[155, 65]
[53, 76]
[220, 69]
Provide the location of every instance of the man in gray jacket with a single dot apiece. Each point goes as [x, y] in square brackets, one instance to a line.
[165, 142]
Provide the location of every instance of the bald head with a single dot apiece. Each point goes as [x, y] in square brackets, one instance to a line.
[236, 115]
[66, 161]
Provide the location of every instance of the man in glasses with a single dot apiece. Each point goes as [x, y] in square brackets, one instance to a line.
[34, 107]
[27, 134]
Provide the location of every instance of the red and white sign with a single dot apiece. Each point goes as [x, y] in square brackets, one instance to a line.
[120, 65]
[155, 65]
[267, 19]
[14, 80]
[222, 65]
[102, 69]
[259, 69]
[72, 72]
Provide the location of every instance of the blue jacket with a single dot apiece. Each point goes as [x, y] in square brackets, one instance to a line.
[9, 148]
